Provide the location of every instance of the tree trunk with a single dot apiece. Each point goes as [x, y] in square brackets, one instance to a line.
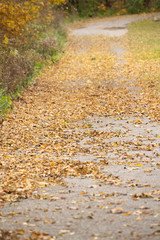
[108, 3]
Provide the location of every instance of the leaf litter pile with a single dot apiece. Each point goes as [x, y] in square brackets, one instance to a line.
[54, 121]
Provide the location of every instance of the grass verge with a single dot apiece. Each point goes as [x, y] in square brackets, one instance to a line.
[144, 39]
[144, 46]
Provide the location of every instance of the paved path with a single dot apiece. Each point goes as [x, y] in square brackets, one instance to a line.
[116, 193]
[112, 28]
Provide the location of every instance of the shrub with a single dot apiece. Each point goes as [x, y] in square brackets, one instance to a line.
[86, 8]
[28, 36]
[134, 6]
[47, 47]
[16, 68]
[23, 38]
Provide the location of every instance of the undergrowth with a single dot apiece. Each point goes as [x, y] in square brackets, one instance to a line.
[103, 8]
[23, 60]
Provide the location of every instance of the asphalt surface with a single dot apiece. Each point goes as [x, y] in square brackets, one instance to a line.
[128, 206]
[112, 28]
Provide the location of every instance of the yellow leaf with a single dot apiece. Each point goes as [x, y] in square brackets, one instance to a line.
[20, 232]
[52, 164]
[115, 145]
[139, 219]
[82, 193]
[148, 170]
[127, 214]
[139, 165]
[138, 120]
[5, 41]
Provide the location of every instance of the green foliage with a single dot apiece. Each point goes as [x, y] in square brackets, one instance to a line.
[37, 68]
[23, 60]
[61, 36]
[4, 103]
[156, 4]
[88, 8]
[134, 6]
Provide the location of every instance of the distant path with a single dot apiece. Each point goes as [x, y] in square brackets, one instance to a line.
[110, 28]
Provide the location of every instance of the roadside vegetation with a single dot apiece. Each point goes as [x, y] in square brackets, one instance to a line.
[144, 47]
[144, 39]
[91, 8]
[32, 35]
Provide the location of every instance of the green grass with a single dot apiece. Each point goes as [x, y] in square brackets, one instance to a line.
[144, 39]
[144, 44]
[5, 101]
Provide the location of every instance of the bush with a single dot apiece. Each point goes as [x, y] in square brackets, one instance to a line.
[156, 5]
[15, 68]
[47, 47]
[134, 6]
[23, 52]
[86, 8]
[91, 8]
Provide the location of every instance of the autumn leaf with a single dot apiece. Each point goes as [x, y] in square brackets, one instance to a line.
[5, 41]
